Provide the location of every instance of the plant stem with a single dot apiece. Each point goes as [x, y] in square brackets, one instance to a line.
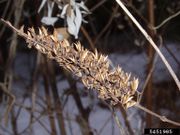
[162, 118]
[151, 42]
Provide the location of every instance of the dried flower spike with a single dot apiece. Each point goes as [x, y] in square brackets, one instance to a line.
[93, 69]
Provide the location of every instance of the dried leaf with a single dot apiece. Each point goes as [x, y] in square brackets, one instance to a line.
[49, 20]
[42, 5]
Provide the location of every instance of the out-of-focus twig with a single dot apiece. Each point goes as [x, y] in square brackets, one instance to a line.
[12, 51]
[172, 54]
[128, 125]
[11, 101]
[165, 21]
[150, 55]
[57, 101]
[88, 38]
[97, 5]
[35, 77]
[8, 15]
[14, 122]
[107, 25]
[48, 97]
[122, 131]
[150, 72]
[84, 112]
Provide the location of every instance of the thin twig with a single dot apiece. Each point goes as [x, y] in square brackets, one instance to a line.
[151, 42]
[172, 55]
[107, 25]
[104, 125]
[35, 77]
[70, 124]
[7, 16]
[14, 122]
[149, 74]
[88, 38]
[57, 101]
[6, 9]
[5, 130]
[83, 111]
[162, 118]
[11, 101]
[36, 119]
[118, 123]
[48, 98]
[165, 21]
[126, 121]
[97, 5]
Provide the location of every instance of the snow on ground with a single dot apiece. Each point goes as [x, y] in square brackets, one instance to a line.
[101, 120]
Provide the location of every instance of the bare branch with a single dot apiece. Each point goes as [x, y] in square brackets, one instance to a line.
[162, 118]
[151, 42]
[165, 21]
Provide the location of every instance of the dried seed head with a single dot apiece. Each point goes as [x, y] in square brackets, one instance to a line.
[93, 69]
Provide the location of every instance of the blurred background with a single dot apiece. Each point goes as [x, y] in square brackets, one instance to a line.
[37, 97]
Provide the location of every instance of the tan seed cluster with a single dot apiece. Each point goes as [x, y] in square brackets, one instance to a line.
[93, 69]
